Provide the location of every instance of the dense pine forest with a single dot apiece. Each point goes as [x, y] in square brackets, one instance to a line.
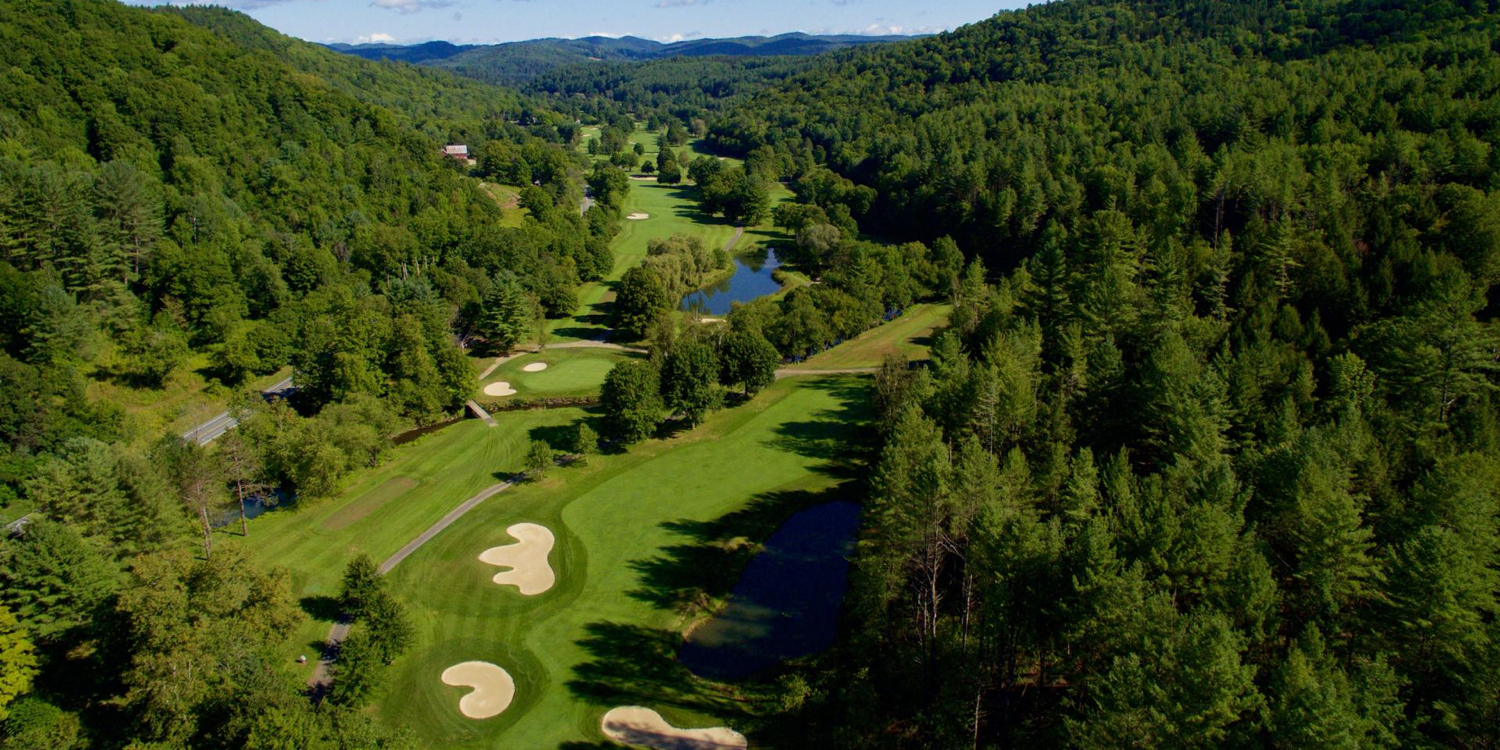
[1208, 455]
[181, 189]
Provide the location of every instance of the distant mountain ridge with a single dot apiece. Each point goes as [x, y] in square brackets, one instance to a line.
[519, 62]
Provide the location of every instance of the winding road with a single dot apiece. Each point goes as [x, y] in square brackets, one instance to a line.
[223, 422]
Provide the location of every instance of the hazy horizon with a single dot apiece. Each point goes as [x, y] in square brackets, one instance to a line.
[498, 21]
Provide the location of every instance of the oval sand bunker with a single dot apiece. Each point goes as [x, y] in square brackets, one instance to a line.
[529, 570]
[638, 216]
[499, 388]
[535, 367]
[493, 688]
[634, 725]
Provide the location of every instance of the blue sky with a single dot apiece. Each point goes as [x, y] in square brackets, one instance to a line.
[483, 21]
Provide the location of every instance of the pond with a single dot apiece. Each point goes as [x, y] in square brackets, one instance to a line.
[751, 280]
[787, 603]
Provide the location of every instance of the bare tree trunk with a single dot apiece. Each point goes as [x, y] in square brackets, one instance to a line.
[244, 524]
[208, 534]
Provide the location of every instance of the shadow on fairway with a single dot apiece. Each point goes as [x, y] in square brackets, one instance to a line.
[558, 437]
[633, 665]
[690, 578]
[325, 608]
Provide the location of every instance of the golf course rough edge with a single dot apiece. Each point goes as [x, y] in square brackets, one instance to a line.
[493, 688]
[527, 559]
[636, 725]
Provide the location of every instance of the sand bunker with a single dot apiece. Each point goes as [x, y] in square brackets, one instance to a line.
[634, 725]
[493, 688]
[529, 570]
[535, 367]
[499, 388]
[638, 216]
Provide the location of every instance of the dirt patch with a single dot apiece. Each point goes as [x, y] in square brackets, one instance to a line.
[388, 490]
[527, 559]
[493, 688]
[634, 725]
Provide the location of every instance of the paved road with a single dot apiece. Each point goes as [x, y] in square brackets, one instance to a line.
[340, 630]
[734, 238]
[223, 422]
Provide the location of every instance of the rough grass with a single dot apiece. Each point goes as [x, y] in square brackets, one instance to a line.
[632, 543]
[909, 334]
[186, 398]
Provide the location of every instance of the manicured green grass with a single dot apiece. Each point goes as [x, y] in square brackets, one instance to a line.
[570, 372]
[384, 508]
[672, 210]
[907, 335]
[635, 536]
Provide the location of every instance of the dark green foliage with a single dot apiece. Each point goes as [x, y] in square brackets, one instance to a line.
[388, 627]
[539, 459]
[34, 724]
[748, 360]
[641, 298]
[632, 403]
[690, 380]
[360, 588]
[54, 580]
[585, 443]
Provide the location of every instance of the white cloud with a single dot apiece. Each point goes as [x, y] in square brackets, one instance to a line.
[378, 37]
[610, 34]
[405, 7]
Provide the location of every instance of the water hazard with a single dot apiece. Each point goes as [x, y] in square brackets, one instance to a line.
[787, 603]
[751, 280]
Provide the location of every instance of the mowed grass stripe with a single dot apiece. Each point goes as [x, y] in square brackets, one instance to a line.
[605, 517]
[448, 467]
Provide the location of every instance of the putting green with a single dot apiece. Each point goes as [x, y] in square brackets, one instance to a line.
[631, 535]
[570, 372]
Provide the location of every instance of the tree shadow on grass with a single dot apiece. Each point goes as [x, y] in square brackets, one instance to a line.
[633, 665]
[689, 578]
[558, 437]
[323, 608]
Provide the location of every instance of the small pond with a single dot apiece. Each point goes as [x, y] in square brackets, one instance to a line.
[751, 280]
[787, 603]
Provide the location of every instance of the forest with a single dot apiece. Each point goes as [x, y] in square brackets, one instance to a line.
[1207, 454]
[184, 185]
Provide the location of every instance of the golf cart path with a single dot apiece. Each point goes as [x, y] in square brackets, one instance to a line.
[340, 630]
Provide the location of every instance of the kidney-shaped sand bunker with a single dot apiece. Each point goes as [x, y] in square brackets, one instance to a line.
[529, 570]
[634, 725]
[493, 688]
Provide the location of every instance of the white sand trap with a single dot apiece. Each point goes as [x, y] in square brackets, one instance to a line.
[535, 367]
[499, 388]
[529, 570]
[638, 216]
[711, 320]
[493, 688]
[634, 725]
